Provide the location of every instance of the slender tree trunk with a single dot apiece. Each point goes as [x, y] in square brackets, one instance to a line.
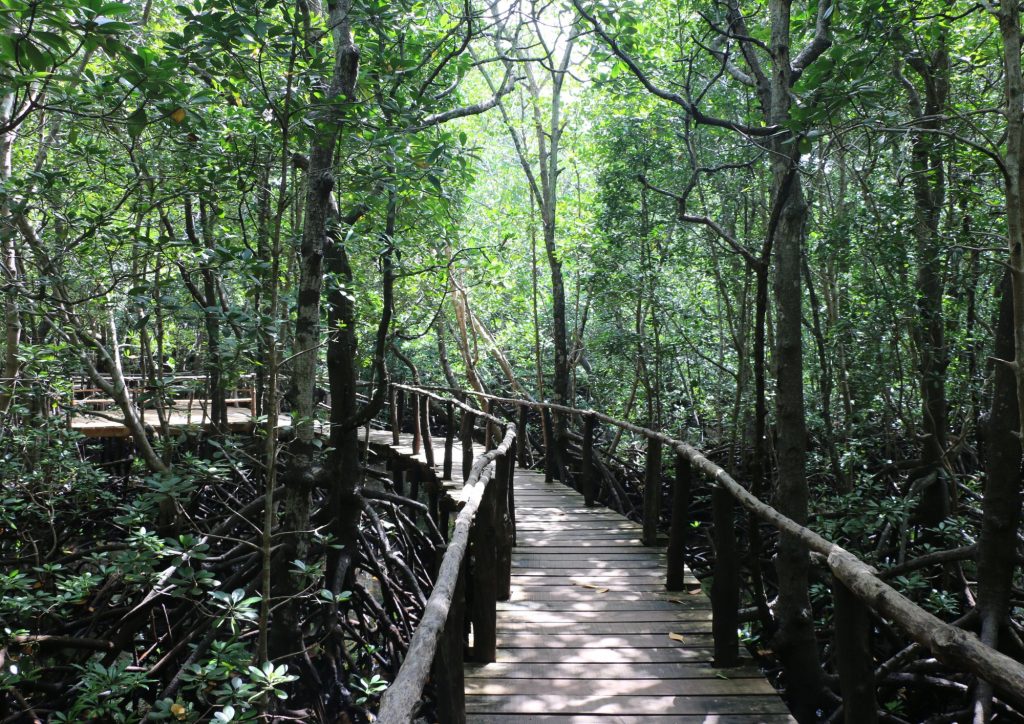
[303, 472]
[929, 193]
[9, 268]
[1010, 28]
[1001, 503]
[794, 640]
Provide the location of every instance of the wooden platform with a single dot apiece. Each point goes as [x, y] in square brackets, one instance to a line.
[591, 635]
[384, 440]
[92, 424]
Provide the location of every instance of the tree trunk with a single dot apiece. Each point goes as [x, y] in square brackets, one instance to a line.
[1001, 503]
[794, 640]
[303, 473]
[929, 193]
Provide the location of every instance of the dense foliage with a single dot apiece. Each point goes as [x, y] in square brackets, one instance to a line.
[789, 232]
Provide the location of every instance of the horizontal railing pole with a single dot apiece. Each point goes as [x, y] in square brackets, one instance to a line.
[399, 702]
[952, 645]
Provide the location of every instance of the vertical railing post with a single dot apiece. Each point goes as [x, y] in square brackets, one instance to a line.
[652, 492]
[485, 579]
[676, 573]
[468, 419]
[488, 431]
[396, 420]
[417, 434]
[549, 448]
[853, 656]
[503, 524]
[587, 478]
[428, 443]
[511, 507]
[725, 590]
[447, 668]
[400, 402]
[521, 439]
[449, 441]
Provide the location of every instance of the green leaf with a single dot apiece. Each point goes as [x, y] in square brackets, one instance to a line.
[52, 40]
[115, 8]
[7, 50]
[137, 123]
[36, 57]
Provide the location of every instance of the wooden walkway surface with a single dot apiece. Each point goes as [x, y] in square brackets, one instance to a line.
[591, 635]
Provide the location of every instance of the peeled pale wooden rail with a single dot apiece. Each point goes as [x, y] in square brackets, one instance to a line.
[951, 645]
[438, 629]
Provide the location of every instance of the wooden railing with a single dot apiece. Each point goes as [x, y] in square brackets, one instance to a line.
[241, 394]
[857, 589]
[476, 566]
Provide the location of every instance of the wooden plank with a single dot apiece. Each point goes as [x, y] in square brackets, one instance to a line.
[700, 602]
[604, 656]
[531, 541]
[486, 718]
[604, 628]
[622, 686]
[604, 551]
[599, 703]
[578, 562]
[571, 618]
[596, 575]
[612, 671]
[547, 640]
[652, 589]
[585, 593]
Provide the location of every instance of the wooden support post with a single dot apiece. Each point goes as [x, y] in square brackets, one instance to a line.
[397, 474]
[587, 477]
[521, 439]
[853, 656]
[428, 442]
[549, 447]
[444, 525]
[396, 419]
[676, 573]
[449, 441]
[725, 590]
[447, 668]
[401, 411]
[417, 435]
[652, 492]
[468, 419]
[414, 481]
[434, 500]
[503, 525]
[485, 579]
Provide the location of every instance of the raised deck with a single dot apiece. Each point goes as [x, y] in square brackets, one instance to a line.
[591, 635]
[107, 423]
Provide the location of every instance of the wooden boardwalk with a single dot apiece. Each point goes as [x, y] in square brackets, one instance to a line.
[590, 634]
[108, 423]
